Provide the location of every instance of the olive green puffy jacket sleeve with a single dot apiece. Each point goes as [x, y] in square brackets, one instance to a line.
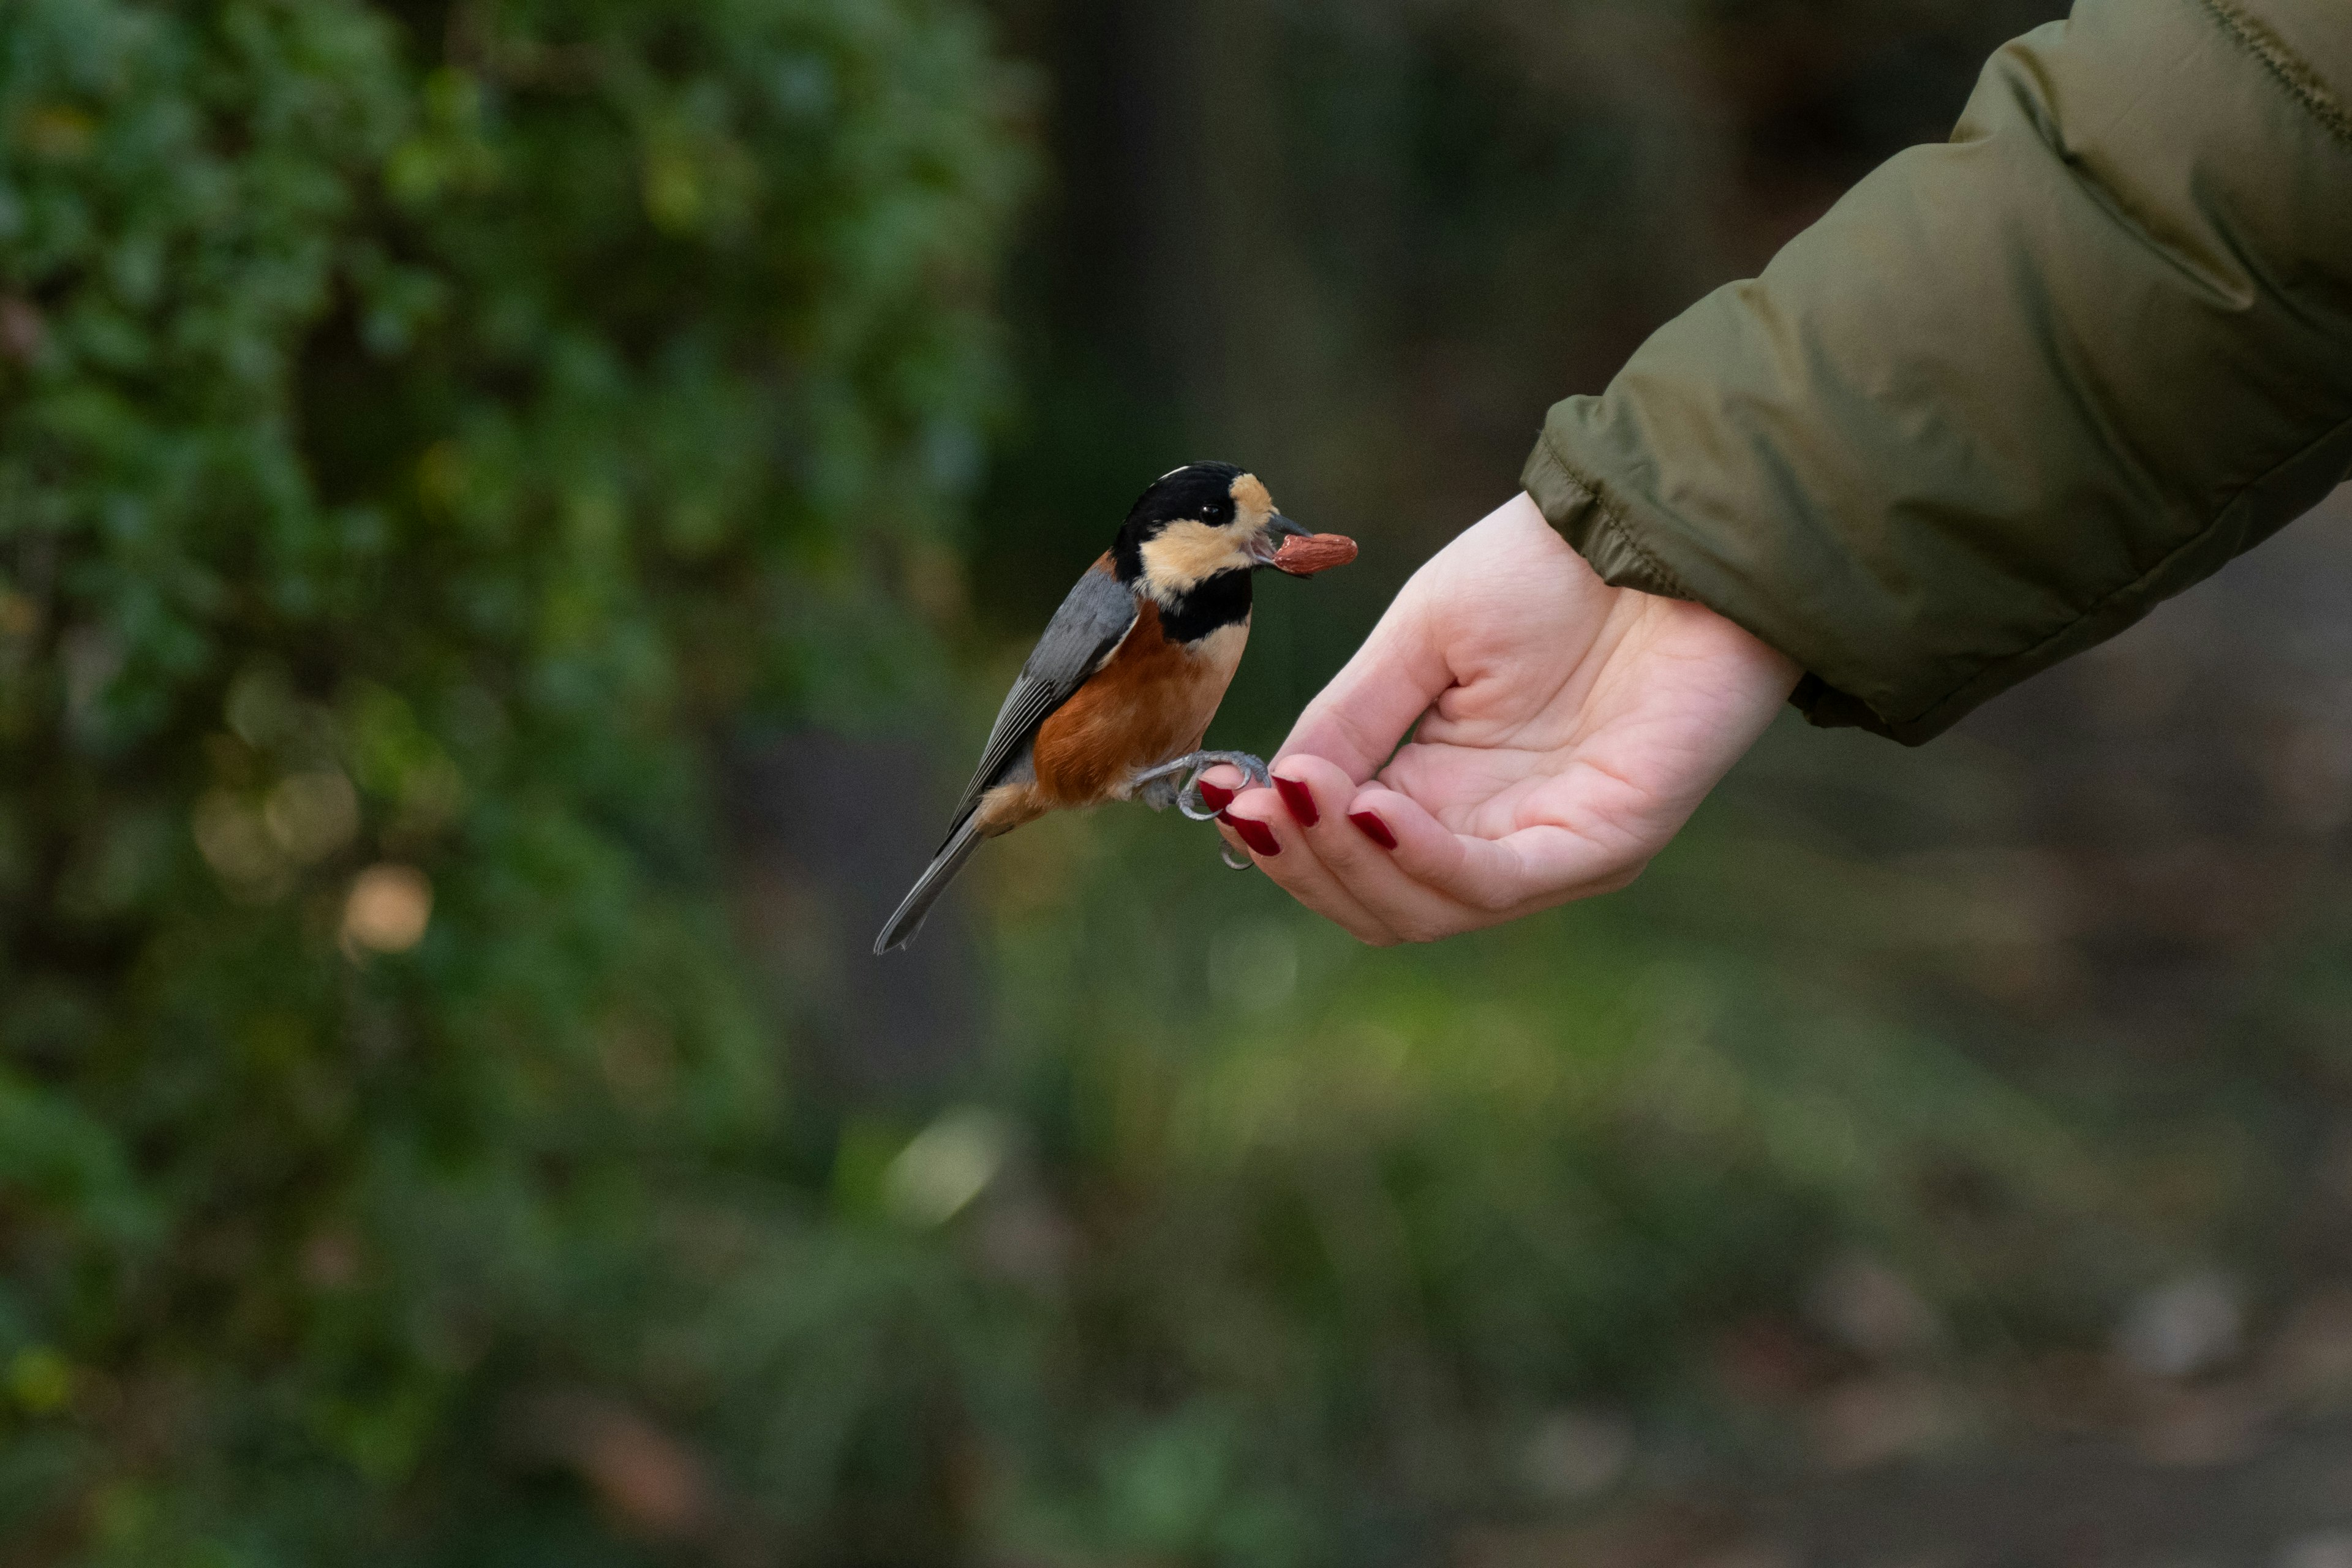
[2014, 388]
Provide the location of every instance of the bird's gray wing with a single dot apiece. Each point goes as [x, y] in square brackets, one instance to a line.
[1080, 638]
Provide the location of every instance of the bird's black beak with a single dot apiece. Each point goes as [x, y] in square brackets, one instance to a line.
[1270, 540]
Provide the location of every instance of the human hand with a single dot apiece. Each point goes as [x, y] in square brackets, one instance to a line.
[1567, 729]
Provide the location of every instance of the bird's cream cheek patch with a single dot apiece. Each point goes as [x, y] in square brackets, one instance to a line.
[1185, 553]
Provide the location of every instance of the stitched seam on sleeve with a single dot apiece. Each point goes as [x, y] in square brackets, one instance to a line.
[1616, 524]
[2284, 64]
[2137, 584]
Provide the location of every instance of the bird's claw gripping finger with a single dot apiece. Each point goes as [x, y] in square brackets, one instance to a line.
[1160, 792]
[1187, 798]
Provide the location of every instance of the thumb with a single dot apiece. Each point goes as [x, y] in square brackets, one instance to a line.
[1356, 722]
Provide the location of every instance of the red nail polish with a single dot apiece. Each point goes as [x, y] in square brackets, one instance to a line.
[1216, 797]
[1373, 828]
[1256, 834]
[1296, 796]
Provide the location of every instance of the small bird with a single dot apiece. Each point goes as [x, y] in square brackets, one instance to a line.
[1117, 695]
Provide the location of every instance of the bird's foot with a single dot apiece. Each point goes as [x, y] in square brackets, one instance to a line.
[1159, 790]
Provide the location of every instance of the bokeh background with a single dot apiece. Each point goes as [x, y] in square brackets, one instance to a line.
[513, 518]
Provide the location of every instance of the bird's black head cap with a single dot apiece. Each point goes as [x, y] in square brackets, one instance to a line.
[1200, 491]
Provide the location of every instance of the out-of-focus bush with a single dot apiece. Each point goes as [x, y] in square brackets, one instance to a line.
[420, 426]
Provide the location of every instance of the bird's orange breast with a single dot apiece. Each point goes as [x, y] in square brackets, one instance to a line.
[1151, 704]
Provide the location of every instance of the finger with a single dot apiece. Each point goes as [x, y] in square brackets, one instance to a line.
[1529, 867]
[1357, 720]
[1425, 882]
[1352, 870]
[1309, 819]
[1294, 865]
[1219, 784]
[1374, 851]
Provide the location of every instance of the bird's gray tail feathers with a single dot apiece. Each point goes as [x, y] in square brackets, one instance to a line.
[901, 927]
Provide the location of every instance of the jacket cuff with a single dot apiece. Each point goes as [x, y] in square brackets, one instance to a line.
[1572, 503]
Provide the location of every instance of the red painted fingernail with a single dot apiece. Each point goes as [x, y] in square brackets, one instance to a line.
[1216, 797]
[1373, 828]
[1296, 796]
[1256, 834]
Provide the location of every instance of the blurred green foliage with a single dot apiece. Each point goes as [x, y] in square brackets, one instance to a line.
[1338, 1236]
[418, 428]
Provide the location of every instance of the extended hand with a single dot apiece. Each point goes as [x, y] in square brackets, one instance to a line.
[1567, 731]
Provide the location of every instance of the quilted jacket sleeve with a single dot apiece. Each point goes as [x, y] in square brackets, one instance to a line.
[2015, 388]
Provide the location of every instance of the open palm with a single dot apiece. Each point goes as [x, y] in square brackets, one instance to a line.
[1566, 730]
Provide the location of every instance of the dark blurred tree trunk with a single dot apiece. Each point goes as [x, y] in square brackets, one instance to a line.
[827, 833]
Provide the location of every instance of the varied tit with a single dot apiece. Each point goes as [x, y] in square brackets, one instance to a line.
[1115, 698]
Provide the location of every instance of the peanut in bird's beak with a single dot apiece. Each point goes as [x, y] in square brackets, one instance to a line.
[1268, 542]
